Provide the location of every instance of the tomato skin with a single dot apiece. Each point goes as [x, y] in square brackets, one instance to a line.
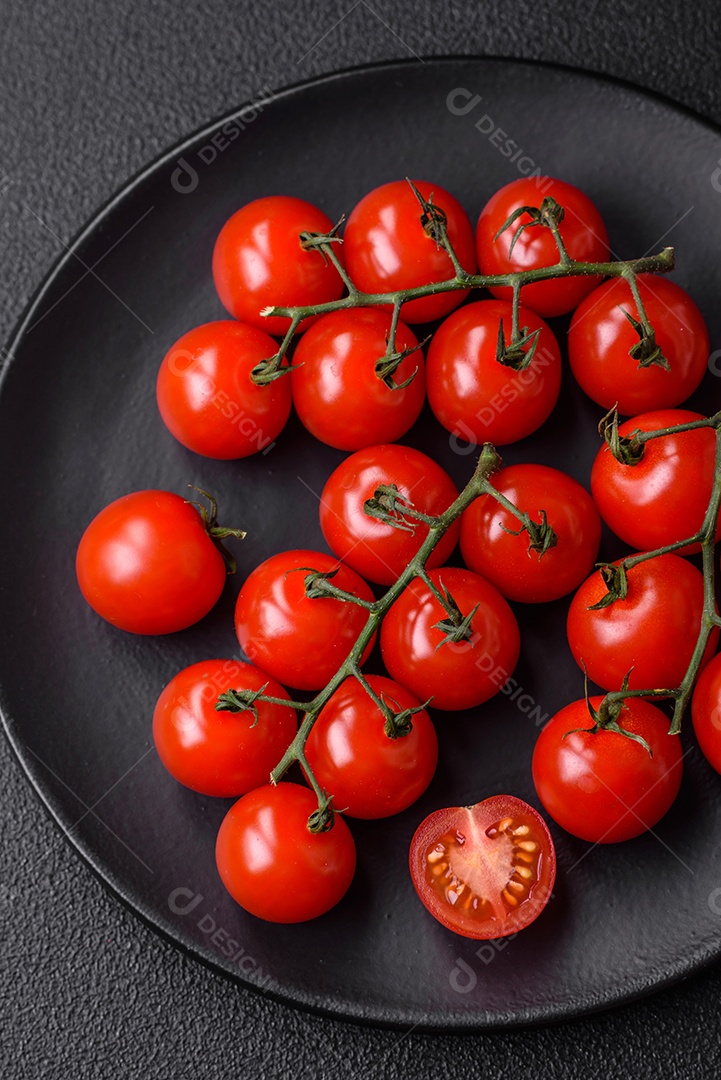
[653, 631]
[605, 788]
[504, 559]
[601, 336]
[258, 262]
[300, 641]
[664, 498]
[270, 862]
[460, 675]
[473, 395]
[146, 564]
[369, 774]
[386, 248]
[336, 392]
[220, 753]
[706, 712]
[583, 232]
[373, 548]
[207, 399]
[499, 916]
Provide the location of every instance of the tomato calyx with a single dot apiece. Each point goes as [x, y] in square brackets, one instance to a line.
[627, 449]
[387, 365]
[388, 505]
[605, 717]
[216, 532]
[541, 536]
[434, 220]
[646, 350]
[520, 352]
[615, 578]
[549, 214]
[237, 701]
[457, 627]
[323, 819]
[311, 241]
[319, 586]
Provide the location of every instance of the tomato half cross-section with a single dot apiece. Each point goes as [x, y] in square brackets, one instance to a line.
[484, 871]
[273, 865]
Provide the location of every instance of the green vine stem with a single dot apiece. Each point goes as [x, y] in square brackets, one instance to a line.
[433, 221]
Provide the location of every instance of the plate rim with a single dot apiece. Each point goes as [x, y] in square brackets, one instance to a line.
[470, 1022]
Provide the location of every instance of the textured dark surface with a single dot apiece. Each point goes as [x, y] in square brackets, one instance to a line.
[88, 95]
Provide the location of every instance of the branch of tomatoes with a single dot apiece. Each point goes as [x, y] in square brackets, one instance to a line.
[629, 451]
[519, 352]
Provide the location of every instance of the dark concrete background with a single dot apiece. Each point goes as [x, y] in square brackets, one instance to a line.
[89, 92]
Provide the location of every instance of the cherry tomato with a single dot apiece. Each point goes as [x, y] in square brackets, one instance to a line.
[386, 247]
[273, 865]
[582, 230]
[653, 631]
[489, 546]
[300, 641]
[484, 871]
[476, 397]
[604, 787]
[663, 498]
[258, 261]
[207, 399]
[336, 391]
[369, 773]
[706, 712]
[147, 564]
[220, 753]
[456, 675]
[601, 337]
[377, 550]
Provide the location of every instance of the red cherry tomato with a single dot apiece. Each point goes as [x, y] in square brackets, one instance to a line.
[456, 675]
[706, 712]
[604, 787]
[300, 641]
[273, 865]
[601, 337]
[378, 551]
[369, 773]
[476, 397]
[663, 498]
[651, 634]
[220, 753]
[336, 391]
[207, 399]
[386, 247]
[258, 261]
[484, 871]
[582, 230]
[147, 564]
[489, 546]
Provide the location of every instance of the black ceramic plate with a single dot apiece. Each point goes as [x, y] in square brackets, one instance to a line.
[79, 427]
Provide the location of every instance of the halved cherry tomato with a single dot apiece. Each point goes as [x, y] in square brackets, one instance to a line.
[386, 248]
[273, 865]
[603, 786]
[220, 753]
[369, 772]
[484, 871]
[258, 261]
